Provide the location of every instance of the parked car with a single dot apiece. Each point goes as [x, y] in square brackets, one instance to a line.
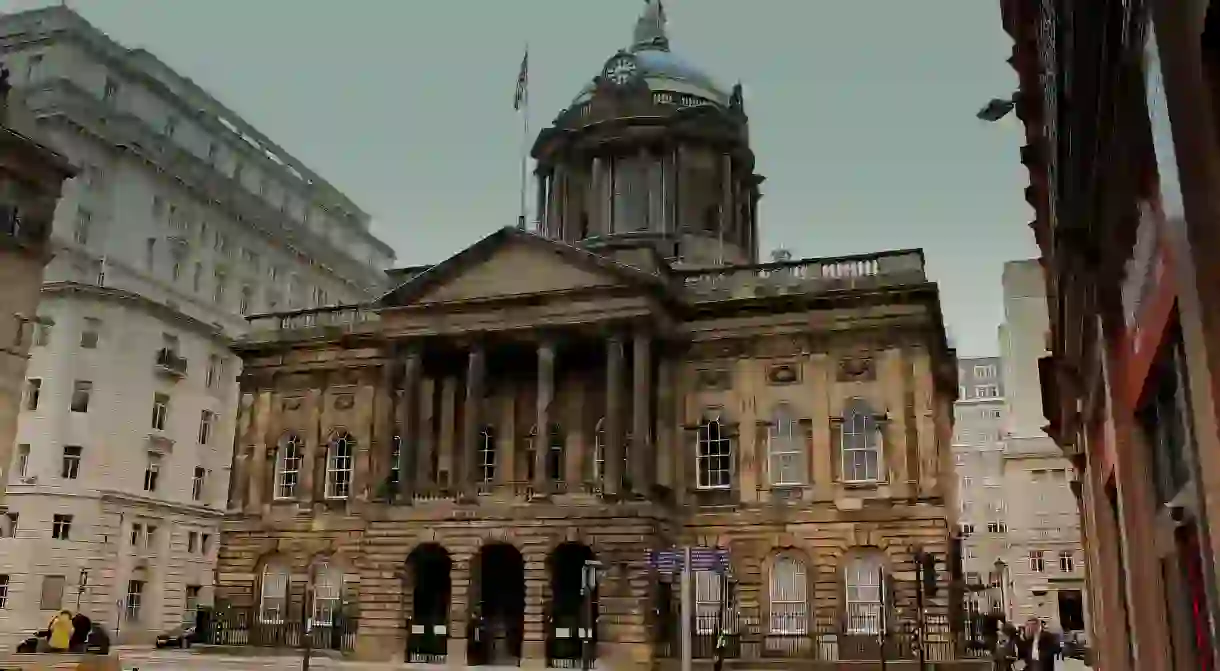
[179, 637]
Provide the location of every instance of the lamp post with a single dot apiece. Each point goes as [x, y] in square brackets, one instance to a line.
[80, 587]
[307, 617]
[591, 576]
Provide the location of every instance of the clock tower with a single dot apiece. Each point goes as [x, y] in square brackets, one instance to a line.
[652, 154]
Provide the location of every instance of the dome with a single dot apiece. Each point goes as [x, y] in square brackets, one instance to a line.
[660, 68]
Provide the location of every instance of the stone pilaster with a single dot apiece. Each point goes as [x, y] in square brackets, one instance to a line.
[472, 421]
[446, 446]
[615, 364]
[258, 458]
[665, 442]
[642, 462]
[408, 419]
[385, 427]
[506, 442]
[542, 416]
[310, 436]
[894, 432]
[427, 439]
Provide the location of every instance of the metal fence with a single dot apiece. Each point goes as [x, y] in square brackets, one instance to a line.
[864, 635]
[239, 627]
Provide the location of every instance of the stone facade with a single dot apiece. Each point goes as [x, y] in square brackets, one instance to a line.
[798, 413]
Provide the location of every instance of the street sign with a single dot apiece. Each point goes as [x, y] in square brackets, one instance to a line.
[709, 559]
[665, 561]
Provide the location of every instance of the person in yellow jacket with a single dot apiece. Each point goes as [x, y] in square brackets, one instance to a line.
[61, 632]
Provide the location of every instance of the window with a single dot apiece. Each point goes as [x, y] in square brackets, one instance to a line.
[52, 597]
[288, 468]
[160, 411]
[213, 372]
[8, 525]
[3, 591]
[198, 480]
[84, 223]
[789, 599]
[33, 392]
[1037, 561]
[1067, 561]
[243, 305]
[339, 467]
[203, 543]
[327, 592]
[554, 456]
[111, 91]
[61, 527]
[218, 294]
[197, 278]
[860, 448]
[23, 460]
[713, 455]
[599, 451]
[171, 125]
[192, 541]
[708, 601]
[70, 469]
[396, 460]
[966, 529]
[81, 391]
[88, 334]
[785, 448]
[273, 599]
[487, 455]
[135, 594]
[974, 578]
[152, 471]
[137, 535]
[997, 527]
[207, 420]
[865, 596]
[987, 371]
[190, 609]
[150, 537]
[33, 73]
[987, 391]
[150, 254]
[42, 332]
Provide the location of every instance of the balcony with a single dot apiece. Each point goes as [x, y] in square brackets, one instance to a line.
[170, 364]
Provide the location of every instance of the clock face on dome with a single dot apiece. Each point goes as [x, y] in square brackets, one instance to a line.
[620, 69]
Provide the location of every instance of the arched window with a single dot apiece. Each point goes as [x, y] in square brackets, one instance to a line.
[396, 460]
[487, 454]
[327, 594]
[554, 457]
[785, 448]
[599, 451]
[861, 448]
[788, 590]
[864, 593]
[339, 459]
[713, 455]
[288, 467]
[708, 601]
[273, 599]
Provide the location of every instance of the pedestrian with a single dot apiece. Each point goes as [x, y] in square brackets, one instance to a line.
[1038, 647]
[61, 632]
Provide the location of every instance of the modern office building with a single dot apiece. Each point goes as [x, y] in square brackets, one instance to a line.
[440, 467]
[182, 219]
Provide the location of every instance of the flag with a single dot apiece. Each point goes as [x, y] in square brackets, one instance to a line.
[523, 81]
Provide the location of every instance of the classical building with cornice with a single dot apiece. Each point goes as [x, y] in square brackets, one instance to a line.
[437, 467]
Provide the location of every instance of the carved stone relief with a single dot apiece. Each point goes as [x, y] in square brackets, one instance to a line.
[713, 379]
[856, 369]
[293, 403]
[344, 401]
[788, 372]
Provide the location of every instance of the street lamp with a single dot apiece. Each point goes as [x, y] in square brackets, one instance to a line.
[80, 586]
[996, 109]
[592, 574]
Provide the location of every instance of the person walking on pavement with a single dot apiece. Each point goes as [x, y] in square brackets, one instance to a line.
[61, 632]
[1038, 647]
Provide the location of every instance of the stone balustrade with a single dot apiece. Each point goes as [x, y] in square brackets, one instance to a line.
[806, 275]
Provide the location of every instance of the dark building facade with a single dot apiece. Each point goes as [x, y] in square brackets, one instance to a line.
[1123, 151]
[438, 467]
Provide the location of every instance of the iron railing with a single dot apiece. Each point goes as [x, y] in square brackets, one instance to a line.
[240, 627]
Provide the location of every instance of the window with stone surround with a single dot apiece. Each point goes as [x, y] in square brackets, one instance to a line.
[288, 467]
[785, 447]
[789, 596]
[339, 459]
[554, 457]
[273, 598]
[713, 453]
[327, 593]
[599, 451]
[864, 593]
[860, 443]
[395, 460]
[487, 454]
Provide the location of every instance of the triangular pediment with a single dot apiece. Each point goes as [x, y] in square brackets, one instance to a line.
[510, 264]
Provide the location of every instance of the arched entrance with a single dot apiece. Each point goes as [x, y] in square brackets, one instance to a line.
[497, 618]
[428, 587]
[572, 613]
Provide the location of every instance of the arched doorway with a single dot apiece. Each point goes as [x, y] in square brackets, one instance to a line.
[497, 618]
[428, 587]
[572, 613]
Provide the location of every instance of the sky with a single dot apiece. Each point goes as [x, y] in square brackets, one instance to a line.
[862, 112]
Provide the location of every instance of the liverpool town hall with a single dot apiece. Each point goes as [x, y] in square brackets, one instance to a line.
[438, 467]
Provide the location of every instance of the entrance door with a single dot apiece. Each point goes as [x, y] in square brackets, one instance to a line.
[572, 618]
[428, 570]
[497, 623]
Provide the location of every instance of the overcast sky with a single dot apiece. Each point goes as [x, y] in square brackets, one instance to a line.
[861, 112]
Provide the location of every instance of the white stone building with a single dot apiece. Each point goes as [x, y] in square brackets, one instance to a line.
[182, 219]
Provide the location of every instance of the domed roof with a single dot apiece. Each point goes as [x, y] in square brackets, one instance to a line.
[660, 68]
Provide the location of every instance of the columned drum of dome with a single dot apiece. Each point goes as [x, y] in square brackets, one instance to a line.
[652, 154]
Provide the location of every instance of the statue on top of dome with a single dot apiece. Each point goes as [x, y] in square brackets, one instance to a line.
[650, 28]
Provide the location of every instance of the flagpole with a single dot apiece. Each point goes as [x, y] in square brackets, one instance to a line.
[525, 138]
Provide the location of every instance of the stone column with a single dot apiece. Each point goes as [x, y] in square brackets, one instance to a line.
[408, 426]
[447, 449]
[613, 472]
[597, 207]
[726, 203]
[643, 464]
[542, 416]
[543, 179]
[472, 421]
